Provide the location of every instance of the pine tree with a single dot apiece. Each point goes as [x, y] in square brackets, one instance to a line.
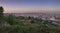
[1, 11]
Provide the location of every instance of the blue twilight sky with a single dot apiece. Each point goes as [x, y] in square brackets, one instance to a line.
[26, 6]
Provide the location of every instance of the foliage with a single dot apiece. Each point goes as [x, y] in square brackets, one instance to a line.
[26, 25]
[1, 11]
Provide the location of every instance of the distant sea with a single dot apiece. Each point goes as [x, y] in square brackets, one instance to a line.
[31, 14]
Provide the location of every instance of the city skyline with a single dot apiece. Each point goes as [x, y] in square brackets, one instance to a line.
[27, 6]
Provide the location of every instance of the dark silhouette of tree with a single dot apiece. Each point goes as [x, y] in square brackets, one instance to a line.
[32, 21]
[1, 11]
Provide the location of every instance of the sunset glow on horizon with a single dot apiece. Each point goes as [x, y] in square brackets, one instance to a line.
[26, 6]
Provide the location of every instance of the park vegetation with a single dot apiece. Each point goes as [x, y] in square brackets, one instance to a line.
[21, 24]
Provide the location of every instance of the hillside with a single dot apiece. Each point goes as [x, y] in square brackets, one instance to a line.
[21, 24]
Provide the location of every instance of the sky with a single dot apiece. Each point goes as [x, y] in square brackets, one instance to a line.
[27, 6]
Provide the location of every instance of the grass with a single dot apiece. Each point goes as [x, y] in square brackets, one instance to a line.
[21, 24]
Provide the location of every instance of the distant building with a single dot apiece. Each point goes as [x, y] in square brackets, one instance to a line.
[57, 17]
[52, 18]
[56, 20]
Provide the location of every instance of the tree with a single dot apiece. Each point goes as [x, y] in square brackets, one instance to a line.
[1, 11]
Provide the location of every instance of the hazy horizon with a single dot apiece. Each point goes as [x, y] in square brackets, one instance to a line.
[29, 6]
